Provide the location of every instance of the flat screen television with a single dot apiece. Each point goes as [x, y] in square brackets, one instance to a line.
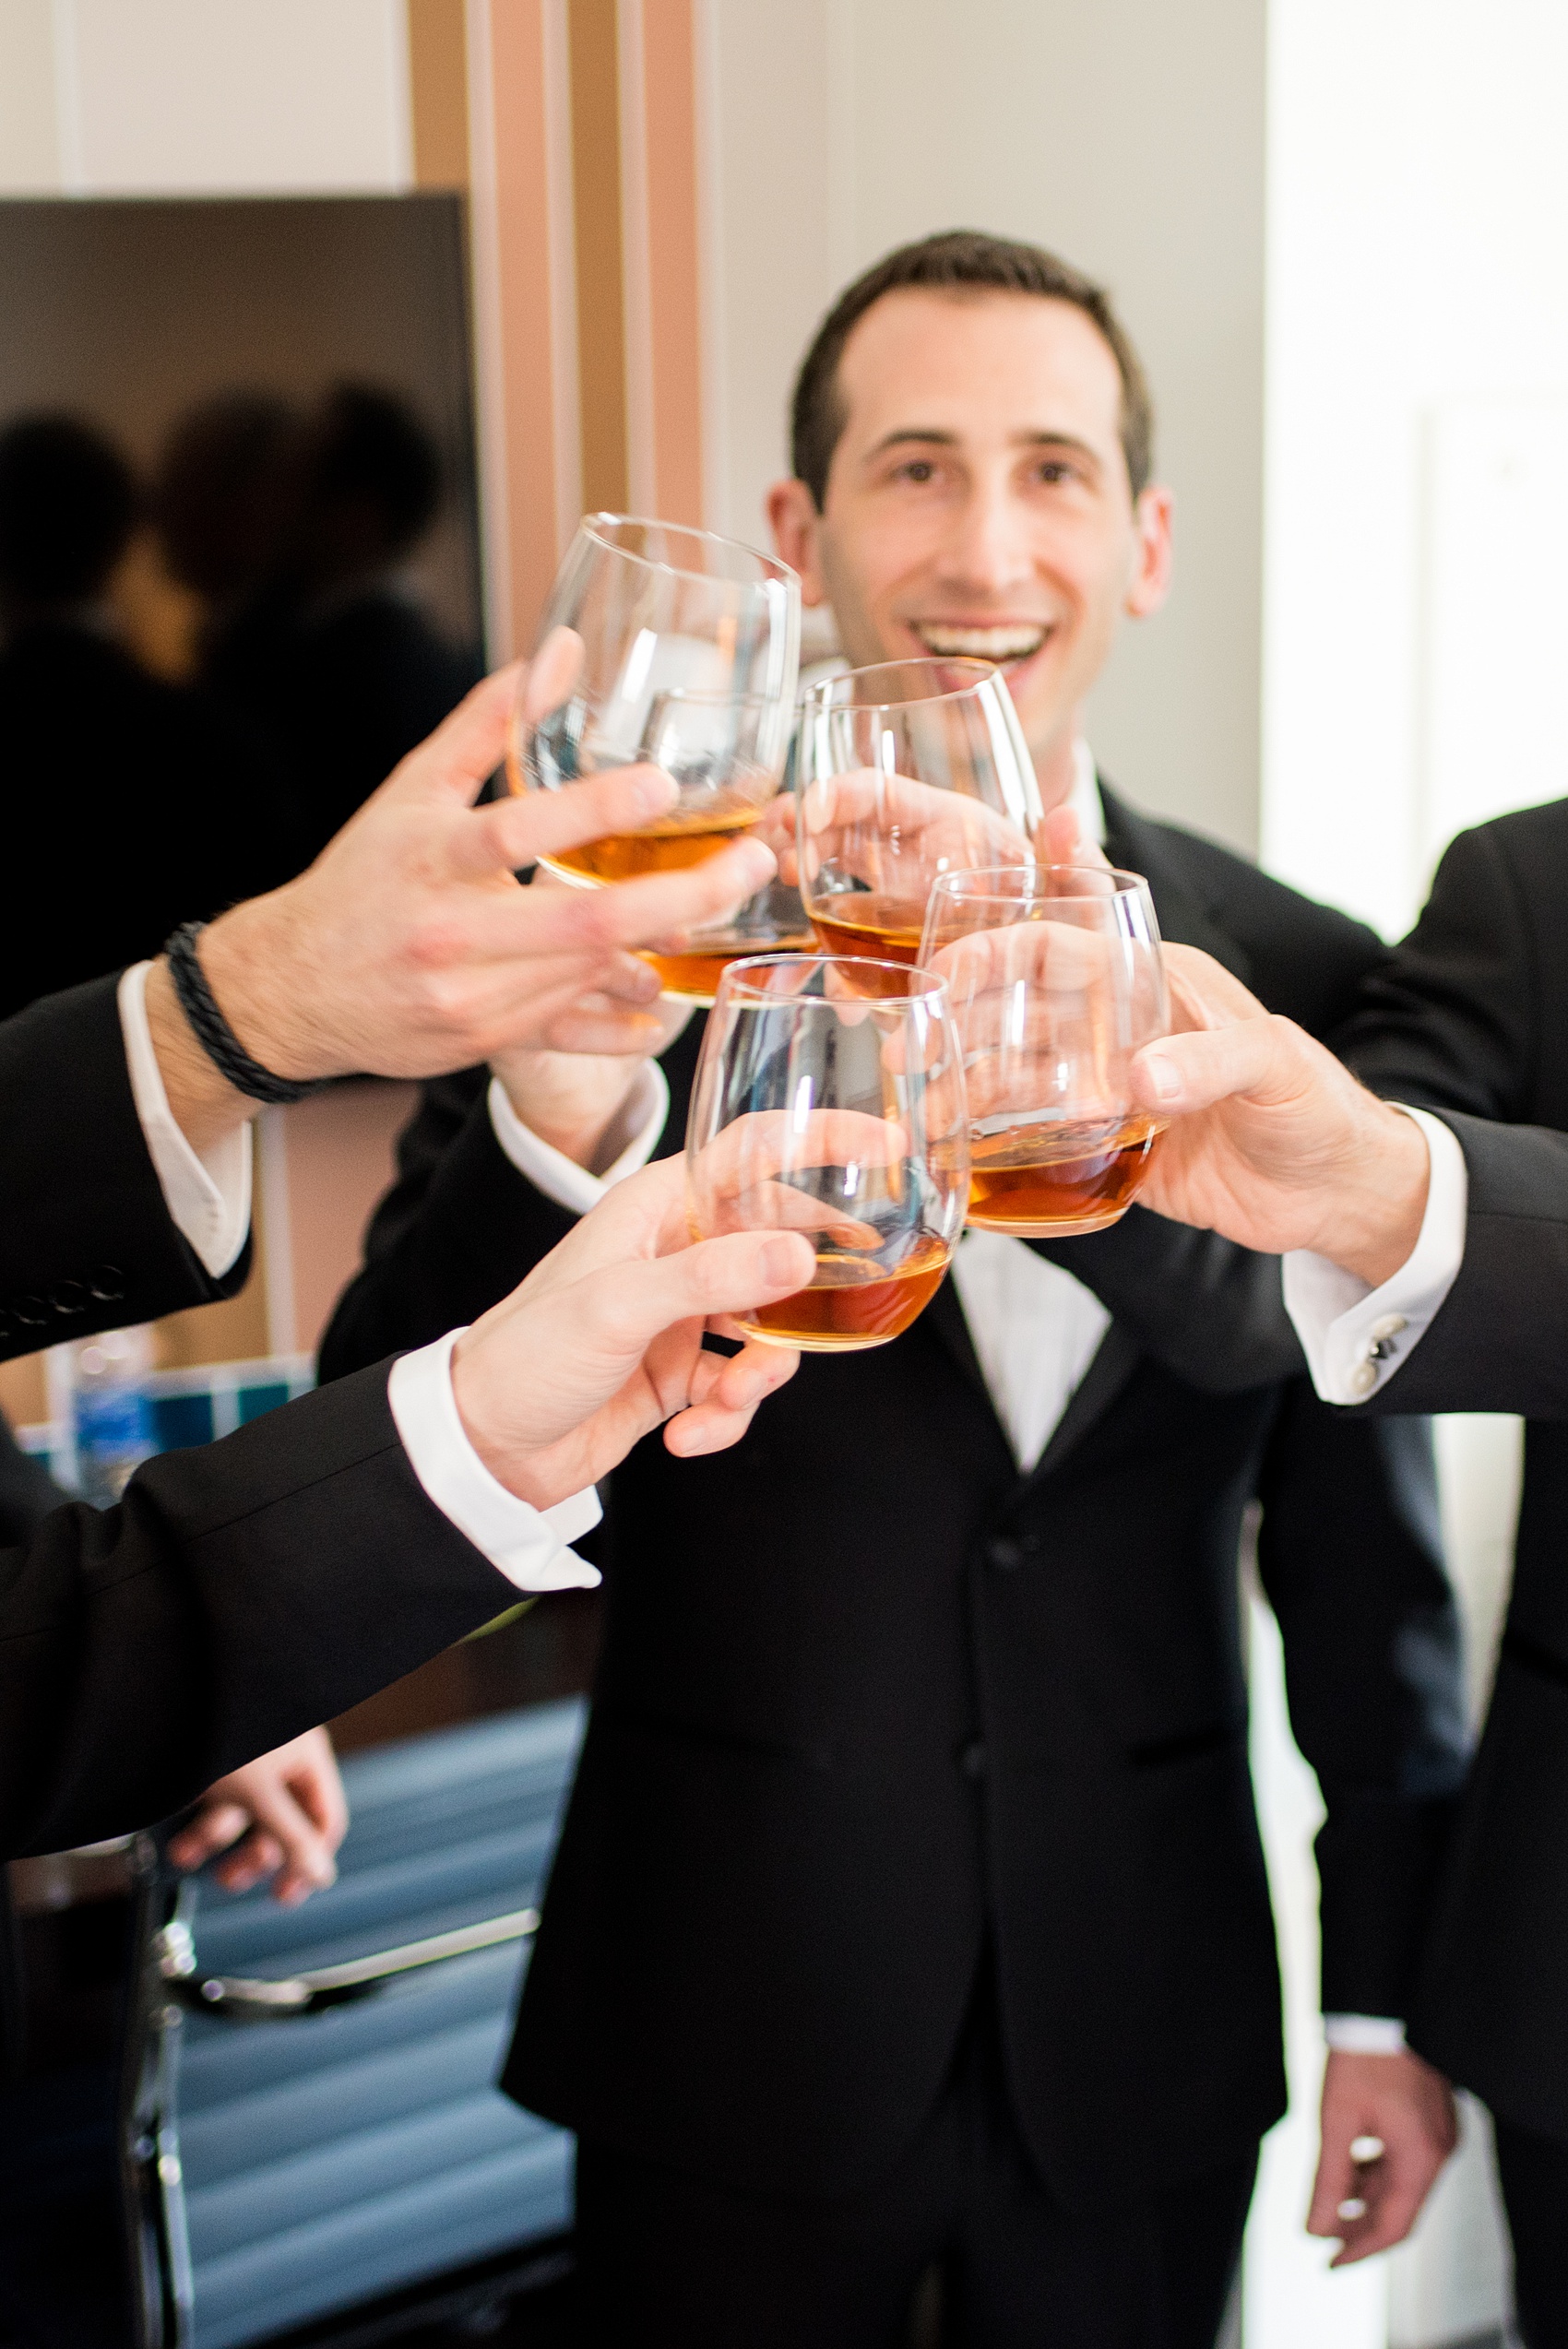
[238, 543]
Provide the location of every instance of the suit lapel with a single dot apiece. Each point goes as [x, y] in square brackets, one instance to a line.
[944, 1317]
[1117, 1358]
[1137, 845]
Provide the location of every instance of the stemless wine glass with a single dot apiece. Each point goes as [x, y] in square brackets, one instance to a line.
[905, 771]
[690, 653]
[829, 1101]
[1056, 979]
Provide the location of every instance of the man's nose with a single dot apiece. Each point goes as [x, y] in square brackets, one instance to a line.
[989, 547]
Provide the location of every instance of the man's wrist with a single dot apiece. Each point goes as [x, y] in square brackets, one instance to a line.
[266, 989]
[592, 1132]
[1381, 1198]
[204, 1105]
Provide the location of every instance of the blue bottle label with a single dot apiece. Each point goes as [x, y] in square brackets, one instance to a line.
[114, 1424]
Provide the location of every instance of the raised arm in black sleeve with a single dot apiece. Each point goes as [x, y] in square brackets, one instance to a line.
[1470, 1019]
[85, 1240]
[240, 1593]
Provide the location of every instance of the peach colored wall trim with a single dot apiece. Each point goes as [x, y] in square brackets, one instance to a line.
[338, 1150]
[514, 122]
[673, 245]
[642, 491]
[596, 189]
[438, 96]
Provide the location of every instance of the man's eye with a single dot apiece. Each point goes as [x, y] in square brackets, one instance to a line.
[917, 470]
[1055, 470]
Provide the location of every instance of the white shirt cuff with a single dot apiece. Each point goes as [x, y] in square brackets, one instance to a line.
[1364, 2035]
[528, 1546]
[209, 1199]
[560, 1178]
[1355, 1337]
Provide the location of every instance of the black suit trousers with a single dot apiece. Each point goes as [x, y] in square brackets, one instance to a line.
[1534, 2171]
[671, 2261]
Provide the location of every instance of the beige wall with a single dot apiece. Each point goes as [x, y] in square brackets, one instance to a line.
[204, 97]
[1128, 133]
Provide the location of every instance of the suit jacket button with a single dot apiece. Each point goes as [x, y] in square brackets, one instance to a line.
[972, 1760]
[32, 1313]
[68, 1299]
[106, 1285]
[1003, 1553]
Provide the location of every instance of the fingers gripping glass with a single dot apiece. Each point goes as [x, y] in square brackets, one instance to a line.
[1056, 981]
[905, 771]
[829, 1101]
[688, 652]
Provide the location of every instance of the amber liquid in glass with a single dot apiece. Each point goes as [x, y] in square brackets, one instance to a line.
[862, 923]
[1047, 1181]
[851, 1303]
[694, 976]
[670, 846]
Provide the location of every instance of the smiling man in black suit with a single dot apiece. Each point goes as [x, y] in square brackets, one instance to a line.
[910, 1907]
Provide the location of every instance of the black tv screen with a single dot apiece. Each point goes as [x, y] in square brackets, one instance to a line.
[239, 547]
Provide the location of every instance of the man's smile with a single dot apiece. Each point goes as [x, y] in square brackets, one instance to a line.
[1002, 641]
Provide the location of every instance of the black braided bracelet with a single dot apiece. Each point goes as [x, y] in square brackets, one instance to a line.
[212, 1031]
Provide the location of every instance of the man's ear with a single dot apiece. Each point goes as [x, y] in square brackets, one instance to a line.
[791, 510]
[1153, 553]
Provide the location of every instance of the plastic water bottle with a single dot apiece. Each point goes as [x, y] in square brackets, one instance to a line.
[111, 1413]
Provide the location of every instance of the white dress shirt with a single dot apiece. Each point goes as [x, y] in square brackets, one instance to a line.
[210, 1201]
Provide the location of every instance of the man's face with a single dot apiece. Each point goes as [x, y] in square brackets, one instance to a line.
[977, 501]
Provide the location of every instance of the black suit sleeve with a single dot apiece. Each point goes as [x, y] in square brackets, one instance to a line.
[239, 1594]
[459, 1228]
[1453, 1024]
[85, 1240]
[1351, 1557]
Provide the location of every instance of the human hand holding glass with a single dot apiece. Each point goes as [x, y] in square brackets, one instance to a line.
[1056, 979]
[683, 650]
[905, 771]
[829, 1101]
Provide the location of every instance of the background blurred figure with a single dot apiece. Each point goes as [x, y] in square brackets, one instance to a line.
[295, 531]
[111, 781]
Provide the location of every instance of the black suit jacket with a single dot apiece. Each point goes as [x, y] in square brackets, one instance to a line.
[1471, 1019]
[240, 1593]
[141, 804]
[871, 1700]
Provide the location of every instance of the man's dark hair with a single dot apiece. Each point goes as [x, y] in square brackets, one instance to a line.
[67, 507]
[958, 261]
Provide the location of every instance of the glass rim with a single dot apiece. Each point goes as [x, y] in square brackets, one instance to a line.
[820, 694]
[1128, 884]
[601, 527]
[932, 983]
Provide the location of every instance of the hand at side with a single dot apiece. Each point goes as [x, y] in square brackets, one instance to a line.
[282, 1816]
[1395, 2102]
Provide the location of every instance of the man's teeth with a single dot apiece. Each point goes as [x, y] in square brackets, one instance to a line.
[983, 644]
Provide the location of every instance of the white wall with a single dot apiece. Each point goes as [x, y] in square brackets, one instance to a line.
[1416, 415]
[204, 97]
[1416, 608]
[1127, 134]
